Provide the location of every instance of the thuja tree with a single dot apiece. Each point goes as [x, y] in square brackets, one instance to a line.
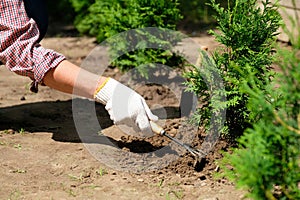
[107, 18]
[267, 163]
[247, 33]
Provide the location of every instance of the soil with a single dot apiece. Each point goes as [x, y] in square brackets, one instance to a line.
[44, 156]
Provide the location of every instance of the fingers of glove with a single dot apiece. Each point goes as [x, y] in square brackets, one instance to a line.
[142, 121]
[139, 119]
[109, 109]
[126, 107]
[123, 113]
[150, 115]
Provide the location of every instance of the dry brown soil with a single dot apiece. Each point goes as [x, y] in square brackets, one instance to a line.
[42, 156]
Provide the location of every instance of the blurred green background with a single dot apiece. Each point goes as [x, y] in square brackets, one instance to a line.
[197, 16]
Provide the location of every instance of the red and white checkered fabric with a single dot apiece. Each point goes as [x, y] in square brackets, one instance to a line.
[19, 49]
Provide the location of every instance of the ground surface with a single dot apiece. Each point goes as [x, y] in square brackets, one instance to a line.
[42, 156]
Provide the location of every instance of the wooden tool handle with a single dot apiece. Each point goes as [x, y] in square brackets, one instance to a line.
[156, 128]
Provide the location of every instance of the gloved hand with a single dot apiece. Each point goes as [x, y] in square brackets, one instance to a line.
[126, 107]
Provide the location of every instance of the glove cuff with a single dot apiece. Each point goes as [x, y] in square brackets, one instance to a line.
[105, 91]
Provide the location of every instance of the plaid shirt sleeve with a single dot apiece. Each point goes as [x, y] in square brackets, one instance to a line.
[19, 49]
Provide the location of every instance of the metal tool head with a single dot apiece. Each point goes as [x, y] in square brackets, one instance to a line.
[195, 152]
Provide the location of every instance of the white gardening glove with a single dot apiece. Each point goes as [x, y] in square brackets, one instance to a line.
[126, 107]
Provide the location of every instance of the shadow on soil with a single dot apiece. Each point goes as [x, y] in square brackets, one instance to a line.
[57, 117]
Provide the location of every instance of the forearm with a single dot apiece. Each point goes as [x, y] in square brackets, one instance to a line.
[69, 78]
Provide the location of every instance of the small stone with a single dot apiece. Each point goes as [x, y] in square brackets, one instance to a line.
[23, 98]
[116, 70]
[172, 132]
[217, 168]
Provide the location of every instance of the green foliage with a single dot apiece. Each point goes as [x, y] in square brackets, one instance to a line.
[247, 33]
[205, 81]
[143, 49]
[267, 162]
[106, 18]
[197, 15]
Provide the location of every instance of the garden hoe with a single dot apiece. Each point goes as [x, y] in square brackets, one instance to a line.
[195, 152]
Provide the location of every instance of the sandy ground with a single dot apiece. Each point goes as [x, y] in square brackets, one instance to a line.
[43, 158]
